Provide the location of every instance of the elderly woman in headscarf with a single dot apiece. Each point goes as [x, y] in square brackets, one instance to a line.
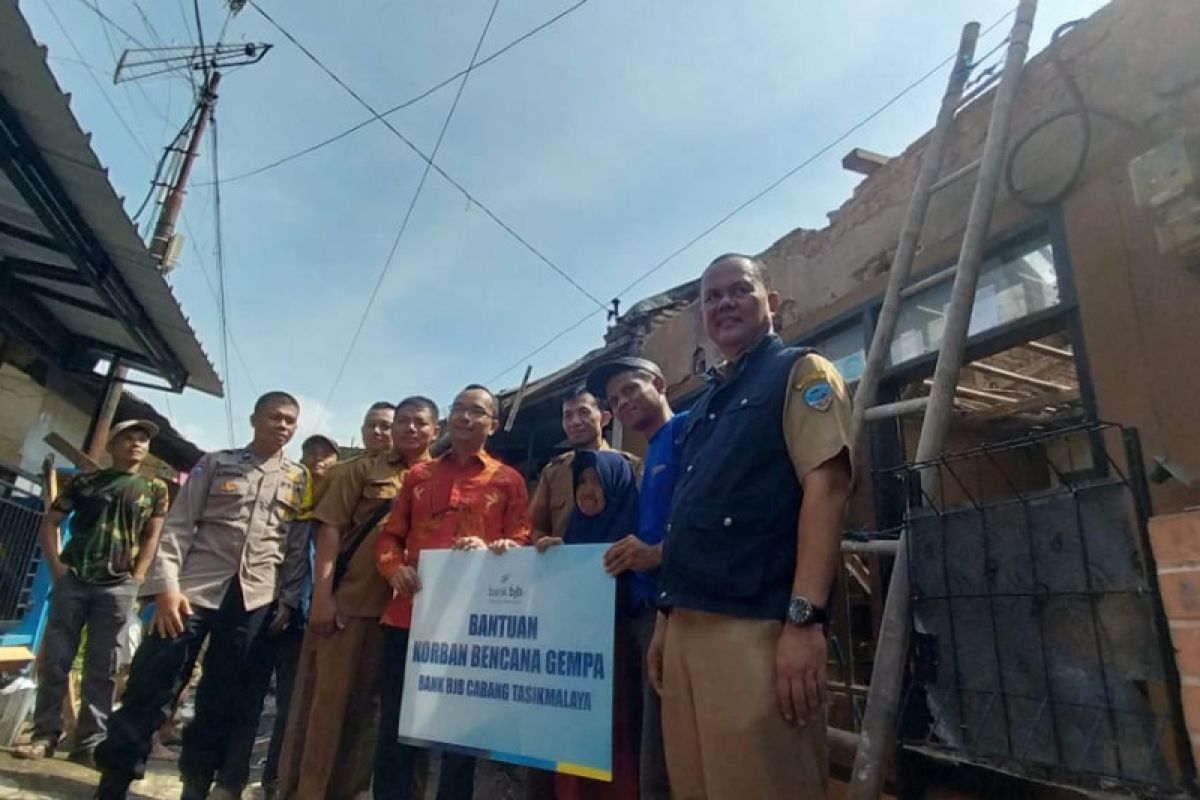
[606, 510]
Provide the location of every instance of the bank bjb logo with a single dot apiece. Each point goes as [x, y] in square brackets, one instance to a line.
[505, 591]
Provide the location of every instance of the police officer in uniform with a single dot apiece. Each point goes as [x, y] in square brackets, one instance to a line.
[216, 574]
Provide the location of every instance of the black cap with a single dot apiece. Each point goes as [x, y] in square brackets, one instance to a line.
[318, 437]
[597, 379]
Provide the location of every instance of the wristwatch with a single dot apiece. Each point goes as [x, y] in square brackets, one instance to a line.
[801, 612]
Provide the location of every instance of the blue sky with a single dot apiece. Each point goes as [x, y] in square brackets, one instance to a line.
[607, 141]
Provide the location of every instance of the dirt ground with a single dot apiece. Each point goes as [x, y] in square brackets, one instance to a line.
[59, 779]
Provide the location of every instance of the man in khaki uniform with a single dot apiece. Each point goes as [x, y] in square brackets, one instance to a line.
[750, 554]
[330, 740]
[215, 575]
[583, 421]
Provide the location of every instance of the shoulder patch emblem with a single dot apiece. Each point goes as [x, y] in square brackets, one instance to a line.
[818, 395]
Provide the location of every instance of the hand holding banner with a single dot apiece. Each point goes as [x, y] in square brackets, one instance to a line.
[510, 658]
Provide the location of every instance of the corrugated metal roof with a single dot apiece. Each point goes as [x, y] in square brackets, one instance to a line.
[40, 108]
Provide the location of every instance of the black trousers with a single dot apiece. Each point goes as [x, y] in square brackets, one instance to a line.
[395, 762]
[231, 677]
[285, 650]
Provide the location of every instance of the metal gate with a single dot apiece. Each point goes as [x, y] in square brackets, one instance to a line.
[1039, 641]
[20, 516]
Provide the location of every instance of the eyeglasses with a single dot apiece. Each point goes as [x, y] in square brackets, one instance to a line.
[473, 413]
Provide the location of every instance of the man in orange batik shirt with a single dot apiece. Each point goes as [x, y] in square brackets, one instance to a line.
[466, 500]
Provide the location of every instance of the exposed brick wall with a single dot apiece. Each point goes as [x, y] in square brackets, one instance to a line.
[1175, 539]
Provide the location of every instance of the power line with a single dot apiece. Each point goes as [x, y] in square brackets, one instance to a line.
[149, 25]
[120, 117]
[409, 211]
[219, 253]
[106, 22]
[474, 200]
[225, 26]
[520, 362]
[200, 41]
[95, 9]
[751, 200]
[212, 290]
[162, 162]
[761, 193]
[409, 102]
[218, 232]
[187, 27]
[67, 60]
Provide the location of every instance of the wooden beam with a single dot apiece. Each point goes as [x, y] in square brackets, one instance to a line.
[854, 689]
[879, 547]
[864, 161]
[15, 657]
[1029, 404]
[856, 570]
[1016, 377]
[898, 409]
[941, 276]
[961, 172]
[977, 394]
[843, 745]
[1047, 350]
[72, 453]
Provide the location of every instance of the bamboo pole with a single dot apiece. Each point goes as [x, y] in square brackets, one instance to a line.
[887, 676]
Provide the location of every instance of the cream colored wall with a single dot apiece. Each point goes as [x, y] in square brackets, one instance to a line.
[20, 404]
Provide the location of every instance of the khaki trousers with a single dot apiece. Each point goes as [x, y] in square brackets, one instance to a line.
[329, 749]
[724, 736]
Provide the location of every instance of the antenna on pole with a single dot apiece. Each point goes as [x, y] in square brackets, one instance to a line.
[177, 161]
[147, 62]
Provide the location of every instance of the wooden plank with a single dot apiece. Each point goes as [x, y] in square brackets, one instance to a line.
[853, 689]
[930, 280]
[885, 547]
[898, 409]
[1030, 404]
[1016, 377]
[14, 657]
[1047, 350]
[72, 453]
[878, 592]
[857, 570]
[978, 394]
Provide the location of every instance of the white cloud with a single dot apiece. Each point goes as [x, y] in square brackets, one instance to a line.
[206, 438]
[315, 418]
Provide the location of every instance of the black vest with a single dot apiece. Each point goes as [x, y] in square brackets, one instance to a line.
[730, 546]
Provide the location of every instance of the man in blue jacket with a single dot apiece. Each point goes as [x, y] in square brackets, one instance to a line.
[750, 555]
